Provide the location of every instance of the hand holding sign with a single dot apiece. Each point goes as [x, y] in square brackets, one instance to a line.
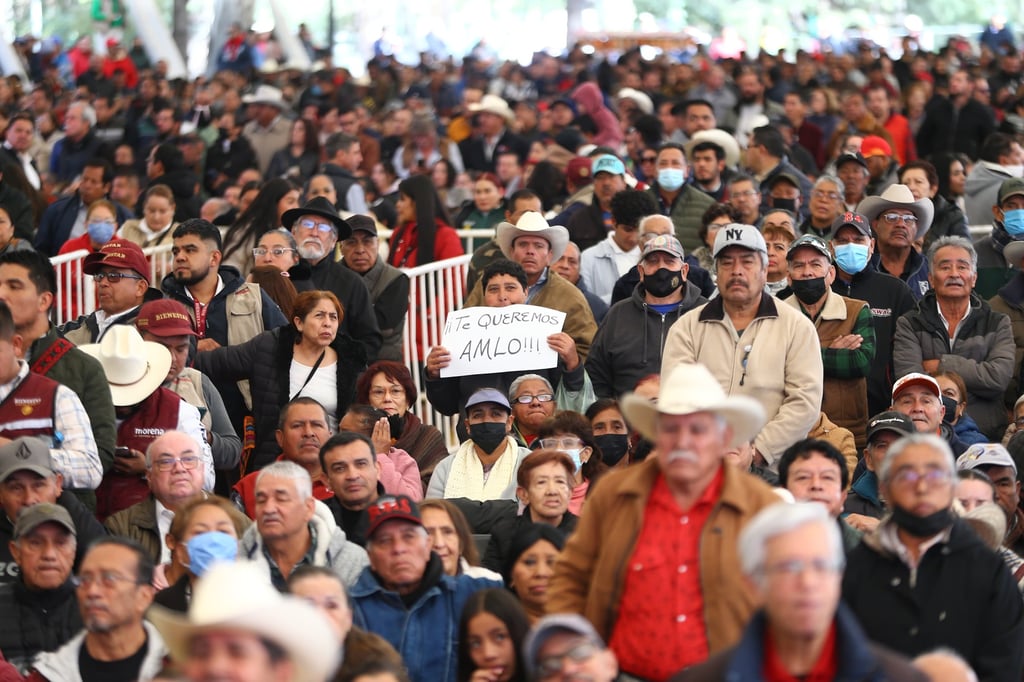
[484, 340]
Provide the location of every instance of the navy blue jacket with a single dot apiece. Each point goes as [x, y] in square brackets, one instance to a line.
[58, 219]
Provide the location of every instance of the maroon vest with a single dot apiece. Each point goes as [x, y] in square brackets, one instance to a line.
[156, 415]
[28, 410]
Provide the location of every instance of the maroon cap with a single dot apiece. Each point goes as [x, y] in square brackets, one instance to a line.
[118, 253]
[578, 171]
[164, 317]
[391, 508]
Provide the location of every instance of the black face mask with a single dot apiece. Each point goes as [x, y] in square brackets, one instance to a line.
[488, 435]
[663, 282]
[785, 204]
[922, 526]
[808, 290]
[950, 416]
[613, 446]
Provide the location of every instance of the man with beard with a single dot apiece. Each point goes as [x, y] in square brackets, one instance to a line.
[226, 310]
[317, 227]
[753, 344]
[923, 579]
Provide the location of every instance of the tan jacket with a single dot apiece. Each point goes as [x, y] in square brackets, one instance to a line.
[590, 571]
[841, 438]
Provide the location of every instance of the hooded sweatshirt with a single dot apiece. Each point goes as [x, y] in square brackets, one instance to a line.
[609, 132]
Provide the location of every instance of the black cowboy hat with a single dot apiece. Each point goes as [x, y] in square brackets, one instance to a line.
[318, 206]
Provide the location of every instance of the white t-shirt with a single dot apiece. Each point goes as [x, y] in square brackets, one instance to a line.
[322, 387]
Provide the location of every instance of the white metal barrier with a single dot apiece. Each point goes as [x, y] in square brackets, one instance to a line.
[435, 290]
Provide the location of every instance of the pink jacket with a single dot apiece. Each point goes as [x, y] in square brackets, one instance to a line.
[400, 475]
[609, 132]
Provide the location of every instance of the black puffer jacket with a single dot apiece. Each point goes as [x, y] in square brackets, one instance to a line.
[36, 621]
[949, 221]
[265, 361]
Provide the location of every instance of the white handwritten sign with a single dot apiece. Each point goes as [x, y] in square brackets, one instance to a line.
[485, 340]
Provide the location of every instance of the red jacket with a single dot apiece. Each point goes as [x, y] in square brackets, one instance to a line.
[405, 254]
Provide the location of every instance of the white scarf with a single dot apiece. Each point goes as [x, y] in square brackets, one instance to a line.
[466, 477]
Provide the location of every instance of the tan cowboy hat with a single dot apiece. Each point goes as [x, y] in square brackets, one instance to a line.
[494, 105]
[266, 94]
[716, 136]
[690, 388]
[899, 196]
[239, 596]
[134, 368]
[532, 223]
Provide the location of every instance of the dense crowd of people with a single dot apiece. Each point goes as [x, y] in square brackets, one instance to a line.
[779, 436]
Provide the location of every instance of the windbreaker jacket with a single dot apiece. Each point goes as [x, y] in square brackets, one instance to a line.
[776, 361]
[590, 572]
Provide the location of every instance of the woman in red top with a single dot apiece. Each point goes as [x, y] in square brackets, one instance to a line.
[422, 226]
[100, 227]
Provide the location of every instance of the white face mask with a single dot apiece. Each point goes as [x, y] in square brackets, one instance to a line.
[574, 455]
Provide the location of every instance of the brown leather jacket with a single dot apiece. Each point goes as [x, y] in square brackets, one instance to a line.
[590, 572]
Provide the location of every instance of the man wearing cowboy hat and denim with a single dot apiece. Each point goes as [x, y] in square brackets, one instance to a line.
[491, 135]
[668, 527]
[535, 245]
[754, 344]
[135, 370]
[317, 227]
[899, 221]
[239, 627]
[269, 130]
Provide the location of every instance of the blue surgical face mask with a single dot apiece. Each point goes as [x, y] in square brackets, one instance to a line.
[574, 455]
[206, 549]
[1013, 221]
[851, 258]
[671, 178]
[101, 231]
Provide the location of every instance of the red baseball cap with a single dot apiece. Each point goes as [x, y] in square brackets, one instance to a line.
[118, 253]
[873, 145]
[164, 317]
[391, 508]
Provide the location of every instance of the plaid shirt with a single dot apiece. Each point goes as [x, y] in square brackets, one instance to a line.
[851, 364]
[74, 454]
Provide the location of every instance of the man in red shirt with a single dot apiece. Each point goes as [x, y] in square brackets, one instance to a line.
[793, 554]
[653, 563]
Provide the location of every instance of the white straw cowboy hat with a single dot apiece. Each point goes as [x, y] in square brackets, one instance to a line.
[532, 224]
[718, 137]
[239, 596]
[134, 368]
[493, 104]
[899, 196]
[689, 388]
[266, 94]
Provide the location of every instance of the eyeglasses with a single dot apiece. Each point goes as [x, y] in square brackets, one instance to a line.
[893, 218]
[549, 666]
[795, 567]
[277, 251]
[747, 193]
[308, 224]
[567, 443]
[106, 579]
[911, 477]
[541, 398]
[648, 159]
[114, 277]
[394, 392]
[822, 194]
[189, 462]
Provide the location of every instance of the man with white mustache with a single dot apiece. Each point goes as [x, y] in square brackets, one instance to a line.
[653, 562]
[952, 330]
[753, 344]
[317, 227]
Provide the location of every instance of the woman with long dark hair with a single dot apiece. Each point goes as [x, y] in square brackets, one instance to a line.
[423, 234]
[491, 634]
[262, 215]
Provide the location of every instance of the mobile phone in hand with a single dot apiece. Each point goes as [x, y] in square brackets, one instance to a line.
[123, 452]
